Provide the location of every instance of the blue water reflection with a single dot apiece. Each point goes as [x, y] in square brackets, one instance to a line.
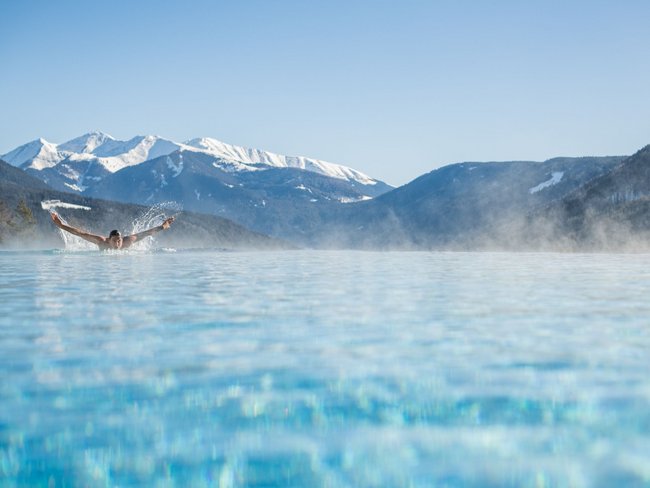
[324, 369]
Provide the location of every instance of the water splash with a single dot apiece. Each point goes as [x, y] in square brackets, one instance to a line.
[72, 242]
[152, 217]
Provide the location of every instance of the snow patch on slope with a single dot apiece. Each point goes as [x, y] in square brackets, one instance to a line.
[555, 178]
[176, 168]
[354, 200]
[235, 166]
[75, 187]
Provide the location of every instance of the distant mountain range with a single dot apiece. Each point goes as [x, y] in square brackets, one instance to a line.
[562, 203]
[266, 192]
[83, 161]
[461, 206]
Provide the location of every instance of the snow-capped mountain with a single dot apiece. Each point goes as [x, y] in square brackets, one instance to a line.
[256, 156]
[78, 163]
[38, 154]
[264, 191]
[97, 147]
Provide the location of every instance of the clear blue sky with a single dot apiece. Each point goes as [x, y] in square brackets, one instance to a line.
[394, 89]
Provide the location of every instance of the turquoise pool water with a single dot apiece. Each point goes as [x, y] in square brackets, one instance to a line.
[324, 369]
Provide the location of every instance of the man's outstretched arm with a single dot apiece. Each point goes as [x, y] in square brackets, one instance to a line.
[78, 232]
[128, 240]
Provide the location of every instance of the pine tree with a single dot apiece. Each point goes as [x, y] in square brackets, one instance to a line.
[25, 213]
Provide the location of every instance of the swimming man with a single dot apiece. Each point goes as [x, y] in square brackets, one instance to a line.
[114, 239]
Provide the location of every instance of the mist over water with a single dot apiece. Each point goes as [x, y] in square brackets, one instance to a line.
[324, 369]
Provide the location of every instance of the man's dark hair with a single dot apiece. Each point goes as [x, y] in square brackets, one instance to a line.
[114, 233]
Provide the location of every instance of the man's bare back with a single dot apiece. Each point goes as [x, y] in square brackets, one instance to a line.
[115, 240]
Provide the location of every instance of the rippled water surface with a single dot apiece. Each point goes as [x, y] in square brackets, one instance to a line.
[324, 369]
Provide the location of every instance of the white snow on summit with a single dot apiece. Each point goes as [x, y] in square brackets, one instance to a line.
[43, 154]
[120, 154]
[86, 143]
[112, 154]
[92, 147]
[257, 156]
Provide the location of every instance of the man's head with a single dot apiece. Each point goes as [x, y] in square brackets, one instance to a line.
[115, 239]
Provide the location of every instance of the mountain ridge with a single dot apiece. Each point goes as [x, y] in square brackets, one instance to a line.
[114, 155]
[562, 203]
